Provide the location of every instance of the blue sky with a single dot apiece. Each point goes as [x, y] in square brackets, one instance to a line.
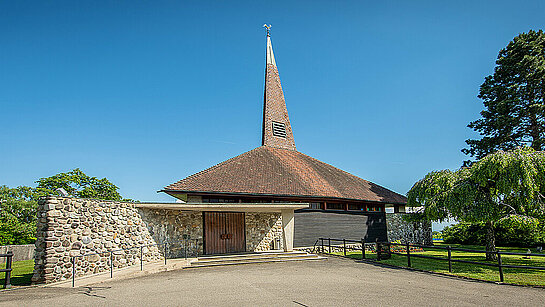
[146, 93]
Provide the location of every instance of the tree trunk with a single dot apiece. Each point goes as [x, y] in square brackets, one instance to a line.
[490, 241]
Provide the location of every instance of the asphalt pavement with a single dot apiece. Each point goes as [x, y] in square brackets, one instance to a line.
[331, 282]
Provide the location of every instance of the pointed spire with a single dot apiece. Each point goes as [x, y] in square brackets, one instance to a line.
[270, 54]
[276, 122]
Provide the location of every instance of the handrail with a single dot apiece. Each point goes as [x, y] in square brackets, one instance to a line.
[111, 252]
[449, 250]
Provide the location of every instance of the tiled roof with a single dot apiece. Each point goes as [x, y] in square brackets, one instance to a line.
[282, 172]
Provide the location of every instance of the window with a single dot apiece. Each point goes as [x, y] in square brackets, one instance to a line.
[333, 206]
[315, 206]
[218, 200]
[279, 129]
[358, 207]
[374, 208]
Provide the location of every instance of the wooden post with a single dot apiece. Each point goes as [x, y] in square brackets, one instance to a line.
[500, 268]
[362, 249]
[9, 258]
[378, 249]
[322, 244]
[344, 247]
[408, 246]
[449, 259]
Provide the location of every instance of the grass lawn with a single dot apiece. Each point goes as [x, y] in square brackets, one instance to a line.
[515, 276]
[21, 274]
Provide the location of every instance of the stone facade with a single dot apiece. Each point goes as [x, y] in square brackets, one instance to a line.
[408, 232]
[263, 231]
[183, 230]
[72, 227]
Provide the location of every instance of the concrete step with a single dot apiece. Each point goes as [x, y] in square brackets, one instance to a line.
[252, 255]
[253, 258]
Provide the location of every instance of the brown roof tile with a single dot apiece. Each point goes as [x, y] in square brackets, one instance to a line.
[282, 172]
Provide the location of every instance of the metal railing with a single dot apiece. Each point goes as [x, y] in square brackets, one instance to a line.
[111, 252]
[383, 248]
[8, 269]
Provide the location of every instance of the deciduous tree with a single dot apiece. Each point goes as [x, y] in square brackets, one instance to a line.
[498, 185]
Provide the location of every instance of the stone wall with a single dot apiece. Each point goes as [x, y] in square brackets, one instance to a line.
[183, 230]
[263, 231]
[408, 232]
[69, 227]
[20, 252]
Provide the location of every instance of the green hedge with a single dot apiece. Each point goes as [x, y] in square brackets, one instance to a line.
[510, 231]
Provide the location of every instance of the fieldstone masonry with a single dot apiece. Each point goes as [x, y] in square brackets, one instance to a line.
[263, 231]
[69, 227]
[408, 232]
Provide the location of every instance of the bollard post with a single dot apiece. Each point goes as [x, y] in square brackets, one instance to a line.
[408, 255]
[329, 245]
[111, 264]
[9, 258]
[73, 271]
[141, 258]
[500, 268]
[362, 249]
[449, 259]
[344, 247]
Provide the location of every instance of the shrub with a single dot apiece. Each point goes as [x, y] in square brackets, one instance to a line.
[510, 231]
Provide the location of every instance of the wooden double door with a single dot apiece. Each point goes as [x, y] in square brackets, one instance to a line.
[224, 232]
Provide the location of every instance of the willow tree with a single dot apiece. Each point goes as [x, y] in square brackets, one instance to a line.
[500, 184]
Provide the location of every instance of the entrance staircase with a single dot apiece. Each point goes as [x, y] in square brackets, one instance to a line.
[269, 256]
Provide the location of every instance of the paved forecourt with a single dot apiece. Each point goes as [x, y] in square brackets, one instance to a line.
[332, 282]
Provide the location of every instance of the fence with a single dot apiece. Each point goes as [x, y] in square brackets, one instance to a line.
[8, 269]
[384, 250]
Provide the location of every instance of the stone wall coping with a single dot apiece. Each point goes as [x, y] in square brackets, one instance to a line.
[227, 207]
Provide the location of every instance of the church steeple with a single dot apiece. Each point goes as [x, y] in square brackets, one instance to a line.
[276, 122]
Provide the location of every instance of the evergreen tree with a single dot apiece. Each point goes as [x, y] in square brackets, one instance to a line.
[513, 98]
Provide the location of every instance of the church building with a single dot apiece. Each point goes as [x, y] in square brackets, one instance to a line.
[341, 204]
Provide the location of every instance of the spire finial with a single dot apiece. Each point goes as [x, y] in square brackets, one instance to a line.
[268, 27]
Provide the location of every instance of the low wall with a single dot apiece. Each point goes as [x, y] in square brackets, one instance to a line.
[69, 227]
[20, 252]
[408, 232]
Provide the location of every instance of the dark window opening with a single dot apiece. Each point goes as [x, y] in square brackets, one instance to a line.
[358, 207]
[315, 206]
[279, 129]
[218, 200]
[333, 206]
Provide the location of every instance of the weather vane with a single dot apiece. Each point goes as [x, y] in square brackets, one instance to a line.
[268, 27]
